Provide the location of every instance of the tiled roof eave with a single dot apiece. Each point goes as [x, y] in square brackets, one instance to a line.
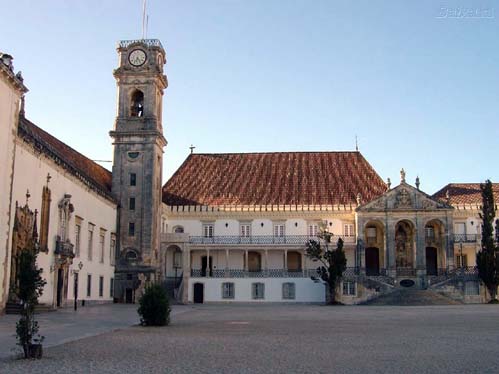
[50, 152]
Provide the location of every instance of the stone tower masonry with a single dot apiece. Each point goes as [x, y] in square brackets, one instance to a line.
[137, 166]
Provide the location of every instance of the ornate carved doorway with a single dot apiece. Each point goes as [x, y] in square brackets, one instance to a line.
[404, 248]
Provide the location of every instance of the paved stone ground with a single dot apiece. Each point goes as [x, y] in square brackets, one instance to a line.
[66, 325]
[290, 339]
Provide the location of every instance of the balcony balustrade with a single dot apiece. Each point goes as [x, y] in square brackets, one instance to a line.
[64, 248]
[465, 238]
[263, 239]
[240, 273]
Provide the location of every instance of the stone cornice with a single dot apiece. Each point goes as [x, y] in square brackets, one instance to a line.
[11, 79]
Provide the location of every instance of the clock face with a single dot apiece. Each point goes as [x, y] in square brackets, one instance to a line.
[137, 57]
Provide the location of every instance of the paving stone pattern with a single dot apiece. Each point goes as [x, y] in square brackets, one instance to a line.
[290, 339]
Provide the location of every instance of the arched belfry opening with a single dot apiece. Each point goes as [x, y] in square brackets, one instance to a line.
[137, 104]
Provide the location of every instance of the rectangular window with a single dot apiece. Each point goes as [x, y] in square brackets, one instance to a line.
[89, 285]
[461, 261]
[131, 203]
[101, 286]
[112, 249]
[228, 291]
[258, 291]
[348, 230]
[371, 233]
[208, 231]
[245, 230]
[111, 288]
[279, 230]
[131, 229]
[90, 246]
[313, 229]
[102, 240]
[349, 288]
[288, 291]
[429, 232]
[133, 179]
[77, 240]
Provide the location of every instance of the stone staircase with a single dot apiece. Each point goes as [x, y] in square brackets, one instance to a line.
[412, 296]
[15, 308]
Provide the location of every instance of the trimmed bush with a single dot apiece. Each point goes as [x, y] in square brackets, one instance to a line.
[154, 309]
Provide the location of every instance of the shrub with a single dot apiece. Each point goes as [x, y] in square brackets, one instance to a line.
[29, 287]
[154, 309]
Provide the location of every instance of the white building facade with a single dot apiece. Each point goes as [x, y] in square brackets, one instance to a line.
[57, 202]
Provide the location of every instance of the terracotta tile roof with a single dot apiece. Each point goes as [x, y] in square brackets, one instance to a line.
[91, 173]
[307, 178]
[465, 193]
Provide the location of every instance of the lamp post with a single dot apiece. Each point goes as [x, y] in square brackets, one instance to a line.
[75, 291]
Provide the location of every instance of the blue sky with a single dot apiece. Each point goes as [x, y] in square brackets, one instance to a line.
[416, 81]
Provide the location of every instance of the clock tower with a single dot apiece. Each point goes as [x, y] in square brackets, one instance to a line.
[137, 166]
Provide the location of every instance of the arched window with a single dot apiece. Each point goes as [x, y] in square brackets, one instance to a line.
[178, 230]
[131, 256]
[137, 104]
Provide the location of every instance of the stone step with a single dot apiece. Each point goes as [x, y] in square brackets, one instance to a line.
[15, 308]
[409, 296]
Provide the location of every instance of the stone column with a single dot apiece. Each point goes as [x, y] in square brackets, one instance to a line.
[285, 267]
[420, 248]
[226, 262]
[208, 263]
[186, 272]
[266, 262]
[390, 248]
[303, 264]
[246, 267]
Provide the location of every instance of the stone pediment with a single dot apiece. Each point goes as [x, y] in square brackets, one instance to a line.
[403, 197]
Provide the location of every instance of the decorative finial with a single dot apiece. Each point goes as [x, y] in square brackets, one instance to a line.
[447, 196]
[359, 199]
[49, 177]
[417, 182]
[192, 148]
[388, 183]
[28, 195]
[356, 143]
[402, 175]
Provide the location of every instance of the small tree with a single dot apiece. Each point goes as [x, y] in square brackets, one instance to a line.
[487, 258]
[29, 287]
[333, 262]
[154, 309]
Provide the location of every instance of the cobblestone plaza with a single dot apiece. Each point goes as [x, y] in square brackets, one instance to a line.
[242, 338]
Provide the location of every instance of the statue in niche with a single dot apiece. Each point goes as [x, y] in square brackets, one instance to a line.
[403, 248]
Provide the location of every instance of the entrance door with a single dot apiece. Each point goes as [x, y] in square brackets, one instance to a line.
[198, 293]
[60, 283]
[129, 296]
[372, 261]
[204, 265]
[431, 261]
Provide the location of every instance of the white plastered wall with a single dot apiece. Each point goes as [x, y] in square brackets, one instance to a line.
[30, 173]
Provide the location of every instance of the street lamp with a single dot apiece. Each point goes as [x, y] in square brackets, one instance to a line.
[75, 291]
